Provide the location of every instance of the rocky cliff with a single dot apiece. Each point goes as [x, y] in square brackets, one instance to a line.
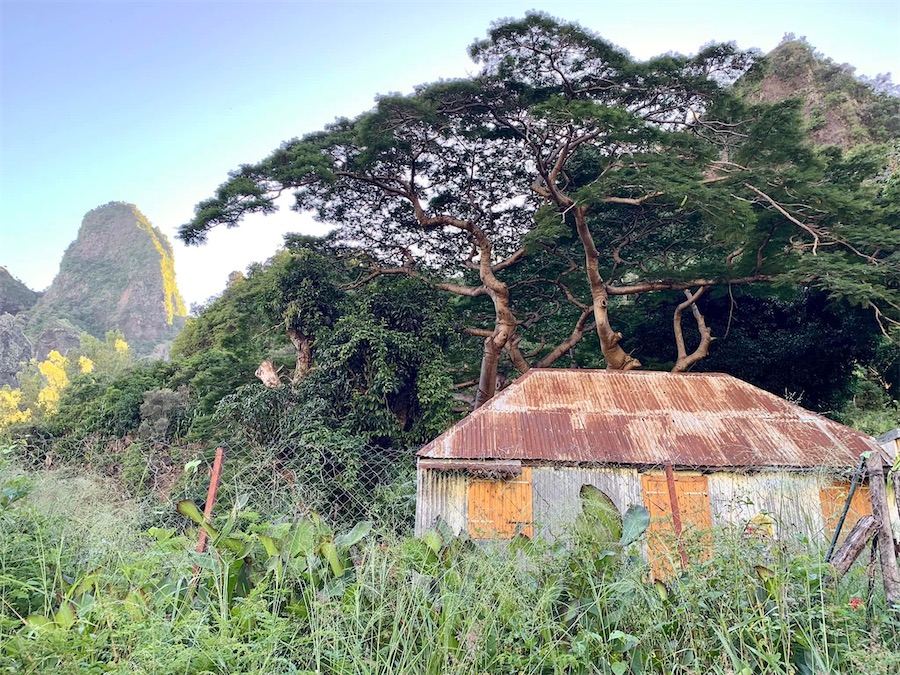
[15, 349]
[119, 274]
[15, 296]
[840, 108]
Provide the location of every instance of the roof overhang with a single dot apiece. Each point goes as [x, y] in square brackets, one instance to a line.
[473, 466]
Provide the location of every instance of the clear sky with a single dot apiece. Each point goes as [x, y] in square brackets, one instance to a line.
[154, 102]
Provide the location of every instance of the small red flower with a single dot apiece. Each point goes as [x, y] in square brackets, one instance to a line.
[856, 603]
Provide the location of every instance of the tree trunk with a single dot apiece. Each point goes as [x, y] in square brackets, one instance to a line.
[856, 541]
[889, 570]
[616, 357]
[268, 375]
[303, 347]
[505, 323]
[487, 379]
[516, 355]
[566, 345]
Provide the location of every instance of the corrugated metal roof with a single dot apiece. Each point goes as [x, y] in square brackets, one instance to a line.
[647, 418]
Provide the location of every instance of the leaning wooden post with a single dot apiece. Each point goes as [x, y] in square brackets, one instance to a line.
[890, 573]
[211, 496]
[853, 546]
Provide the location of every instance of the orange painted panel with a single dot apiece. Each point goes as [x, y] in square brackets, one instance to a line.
[833, 498]
[499, 508]
[692, 492]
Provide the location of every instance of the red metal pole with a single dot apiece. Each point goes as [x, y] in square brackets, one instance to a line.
[676, 513]
[211, 495]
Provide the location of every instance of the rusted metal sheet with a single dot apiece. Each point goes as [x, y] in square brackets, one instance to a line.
[646, 418]
[792, 500]
[441, 494]
[557, 500]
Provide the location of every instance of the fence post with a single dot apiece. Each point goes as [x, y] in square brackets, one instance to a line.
[211, 495]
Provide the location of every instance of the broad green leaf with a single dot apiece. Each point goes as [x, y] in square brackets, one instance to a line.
[161, 534]
[270, 545]
[39, 621]
[634, 524]
[189, 509]
[622, 641]
[330, 553]
[65, 616]
[302, 538]
[135, 603]
[354, 536]
[88, 583]
[661, 590]
[433, 541]
[599, 518]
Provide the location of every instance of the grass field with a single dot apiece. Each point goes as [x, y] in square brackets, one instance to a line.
[91, 582]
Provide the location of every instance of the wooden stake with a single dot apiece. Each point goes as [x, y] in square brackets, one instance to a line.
[853, 546]
[211, 496]
[846, 509]
[890, 573]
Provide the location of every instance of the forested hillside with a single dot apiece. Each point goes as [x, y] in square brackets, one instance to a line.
[567, 206]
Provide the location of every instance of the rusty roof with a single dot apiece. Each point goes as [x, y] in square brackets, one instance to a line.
[647, 418]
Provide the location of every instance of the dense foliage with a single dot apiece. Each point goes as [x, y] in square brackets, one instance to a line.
[640, 178]
[674, 207]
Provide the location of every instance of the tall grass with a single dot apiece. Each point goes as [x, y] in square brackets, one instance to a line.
[408, 607]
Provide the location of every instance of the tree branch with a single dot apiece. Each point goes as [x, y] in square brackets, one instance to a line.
[649, 286]
[685, 360]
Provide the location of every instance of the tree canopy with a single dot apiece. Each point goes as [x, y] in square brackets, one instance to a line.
[566, 181]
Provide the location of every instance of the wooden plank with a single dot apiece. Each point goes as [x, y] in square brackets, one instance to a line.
[692, 492]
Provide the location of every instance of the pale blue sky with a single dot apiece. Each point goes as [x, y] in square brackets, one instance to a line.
[154, 102]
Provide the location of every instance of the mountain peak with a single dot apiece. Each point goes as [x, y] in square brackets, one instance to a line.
[118, 274]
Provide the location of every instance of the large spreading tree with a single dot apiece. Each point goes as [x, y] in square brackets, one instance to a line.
[567, 181]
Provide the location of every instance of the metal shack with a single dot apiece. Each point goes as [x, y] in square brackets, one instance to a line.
[726, 451]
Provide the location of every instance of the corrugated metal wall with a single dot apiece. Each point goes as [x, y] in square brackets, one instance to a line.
[791, 499]
[556, 494]
[444, 494]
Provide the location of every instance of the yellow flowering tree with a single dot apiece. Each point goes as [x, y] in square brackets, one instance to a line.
[56, 379]
[42, 383]
[10, 413]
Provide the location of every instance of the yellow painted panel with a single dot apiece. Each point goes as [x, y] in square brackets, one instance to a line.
[692, 492]
[498, 508]
[834, 497]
